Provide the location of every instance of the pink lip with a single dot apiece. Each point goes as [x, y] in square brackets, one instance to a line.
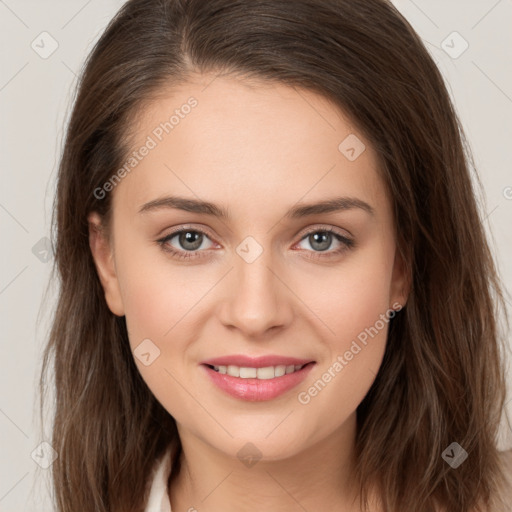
[255, 362]
[256, 390]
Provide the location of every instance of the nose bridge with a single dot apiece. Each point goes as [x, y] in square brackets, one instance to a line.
[257, 299]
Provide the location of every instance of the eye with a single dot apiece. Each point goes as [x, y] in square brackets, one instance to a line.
[321, 240]
[188, 240]
[187, 243]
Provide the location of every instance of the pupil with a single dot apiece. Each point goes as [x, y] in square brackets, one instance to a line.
[325, 240]
[190, 237]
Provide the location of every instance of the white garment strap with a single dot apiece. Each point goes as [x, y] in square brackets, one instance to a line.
[158, 497]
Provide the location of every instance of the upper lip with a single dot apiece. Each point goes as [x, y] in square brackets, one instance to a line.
[255, 362]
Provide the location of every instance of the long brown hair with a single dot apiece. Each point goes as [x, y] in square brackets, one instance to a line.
[442, 378]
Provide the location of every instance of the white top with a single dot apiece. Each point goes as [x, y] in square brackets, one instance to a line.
[158, 497]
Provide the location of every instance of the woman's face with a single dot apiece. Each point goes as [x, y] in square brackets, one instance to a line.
[275, 277]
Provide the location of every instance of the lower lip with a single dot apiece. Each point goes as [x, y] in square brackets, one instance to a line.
[256, 390]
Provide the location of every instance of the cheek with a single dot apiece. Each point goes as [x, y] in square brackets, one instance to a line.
[333, 395]
[145, 307]
[354, 305]
[158, 301]
[354, 355]
[350, 299]
[157, 294]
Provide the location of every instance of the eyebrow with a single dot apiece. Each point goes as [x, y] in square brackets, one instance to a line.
[304, 210]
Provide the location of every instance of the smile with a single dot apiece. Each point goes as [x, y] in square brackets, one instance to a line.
[259, 382]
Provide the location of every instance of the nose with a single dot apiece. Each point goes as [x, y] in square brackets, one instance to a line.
[257, 298]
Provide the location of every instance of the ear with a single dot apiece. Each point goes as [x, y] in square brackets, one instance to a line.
[400, 282]
[103, 256]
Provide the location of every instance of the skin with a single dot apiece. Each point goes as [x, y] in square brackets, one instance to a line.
[256, 151]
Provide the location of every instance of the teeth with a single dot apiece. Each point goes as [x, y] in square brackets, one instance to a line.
[234, 371]
[248, 373]
[266, 373]
[279, 371]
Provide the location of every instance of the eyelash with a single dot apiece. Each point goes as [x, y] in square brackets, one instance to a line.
[347, 243]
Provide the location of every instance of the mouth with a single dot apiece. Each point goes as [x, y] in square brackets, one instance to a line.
[257, 382]
[265, 373]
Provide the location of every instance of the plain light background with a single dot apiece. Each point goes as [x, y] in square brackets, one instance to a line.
[35, 95]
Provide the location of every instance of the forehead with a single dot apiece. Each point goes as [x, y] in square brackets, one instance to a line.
[259, 144]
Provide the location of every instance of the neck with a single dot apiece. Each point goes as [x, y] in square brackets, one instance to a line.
[319, 477]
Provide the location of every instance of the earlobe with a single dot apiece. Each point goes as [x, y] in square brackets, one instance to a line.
[104, 261]
[401, 282]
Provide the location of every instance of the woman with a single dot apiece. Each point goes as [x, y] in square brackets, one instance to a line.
[276, 291]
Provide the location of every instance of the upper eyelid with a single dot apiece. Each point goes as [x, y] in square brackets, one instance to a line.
[181, 229]
[328, 228]
[314, 229]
